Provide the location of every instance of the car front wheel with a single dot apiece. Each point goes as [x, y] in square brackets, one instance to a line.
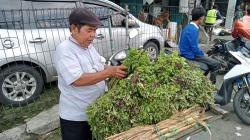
[152, 49]
[20, 84]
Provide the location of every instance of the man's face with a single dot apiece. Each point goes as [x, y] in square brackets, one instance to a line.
[85, 35]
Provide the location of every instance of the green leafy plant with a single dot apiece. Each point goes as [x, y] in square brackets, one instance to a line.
[152, 92]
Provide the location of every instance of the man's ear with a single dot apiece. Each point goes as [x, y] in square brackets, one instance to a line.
[73, 28]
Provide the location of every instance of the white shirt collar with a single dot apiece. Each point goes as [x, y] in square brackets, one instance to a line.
[72, 39]
[195, 25]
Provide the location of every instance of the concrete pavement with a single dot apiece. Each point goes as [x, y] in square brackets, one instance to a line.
[231, 129]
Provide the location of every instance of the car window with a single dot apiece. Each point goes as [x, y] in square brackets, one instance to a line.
[52, 14]
[51, 18]
[10, 14]
[10, 19]
[47, 5]
[101, 11]
[30, 15]
[118, 20]
[10, 4]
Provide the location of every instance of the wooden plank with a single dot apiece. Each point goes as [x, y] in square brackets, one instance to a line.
[217, 110]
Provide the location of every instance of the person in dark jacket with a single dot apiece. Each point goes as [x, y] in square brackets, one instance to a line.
[189, 43]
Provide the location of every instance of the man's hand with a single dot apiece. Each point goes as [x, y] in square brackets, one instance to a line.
[117, 71]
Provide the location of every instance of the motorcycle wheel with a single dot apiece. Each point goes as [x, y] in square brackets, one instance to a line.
[241, 105]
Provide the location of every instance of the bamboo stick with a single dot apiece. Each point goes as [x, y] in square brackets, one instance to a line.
[183, 128]
[181, 121]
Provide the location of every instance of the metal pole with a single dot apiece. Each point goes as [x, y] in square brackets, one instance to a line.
[126, 24]
[230, 14]
[110, 35]
[197, 3]
[212, 4]
[207, 3]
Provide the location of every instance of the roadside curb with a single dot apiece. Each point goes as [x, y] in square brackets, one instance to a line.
[41, 124]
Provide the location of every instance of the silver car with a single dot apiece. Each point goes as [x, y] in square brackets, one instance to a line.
[31, 31]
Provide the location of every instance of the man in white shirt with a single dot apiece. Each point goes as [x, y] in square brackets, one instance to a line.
[81, 74]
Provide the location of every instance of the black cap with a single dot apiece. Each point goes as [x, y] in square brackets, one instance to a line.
[83, 16]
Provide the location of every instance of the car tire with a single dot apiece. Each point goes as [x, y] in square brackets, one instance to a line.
[20, 84]
[152, 49]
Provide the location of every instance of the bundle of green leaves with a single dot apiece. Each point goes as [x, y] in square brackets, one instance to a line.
[152, 92]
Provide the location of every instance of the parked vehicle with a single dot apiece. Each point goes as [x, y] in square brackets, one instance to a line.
[220, 53]
[30, 32]
[238, 76]
[235, 58]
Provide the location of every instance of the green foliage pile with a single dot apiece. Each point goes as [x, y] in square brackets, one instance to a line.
[152, 92]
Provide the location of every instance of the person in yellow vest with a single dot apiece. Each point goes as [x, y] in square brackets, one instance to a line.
[214, 17]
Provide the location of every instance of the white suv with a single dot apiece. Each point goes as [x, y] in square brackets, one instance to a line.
[30, 32]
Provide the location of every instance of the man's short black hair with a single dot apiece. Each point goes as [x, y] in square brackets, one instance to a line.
[197, 13]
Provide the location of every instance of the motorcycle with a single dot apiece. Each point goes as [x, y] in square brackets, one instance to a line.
[220, 53]
[237, 79]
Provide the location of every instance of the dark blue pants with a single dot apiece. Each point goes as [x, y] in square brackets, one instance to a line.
[75, 130]
[212, 64]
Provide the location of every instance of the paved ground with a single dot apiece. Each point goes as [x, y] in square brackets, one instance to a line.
[232, 129]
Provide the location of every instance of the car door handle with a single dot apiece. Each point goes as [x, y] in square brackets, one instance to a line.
[99, 36]
[38, 40]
